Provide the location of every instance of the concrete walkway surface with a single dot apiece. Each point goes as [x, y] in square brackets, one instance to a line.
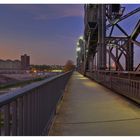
[89, 109]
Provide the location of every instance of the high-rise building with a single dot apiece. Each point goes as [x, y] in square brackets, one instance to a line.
[25, 62]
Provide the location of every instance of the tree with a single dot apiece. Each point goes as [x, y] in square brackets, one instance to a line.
[69, 66]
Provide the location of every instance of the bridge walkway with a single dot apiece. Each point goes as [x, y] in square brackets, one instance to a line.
[89, 109]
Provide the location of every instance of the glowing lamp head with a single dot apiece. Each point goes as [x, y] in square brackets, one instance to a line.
[78, 49]
[78, 44]
[81, 37]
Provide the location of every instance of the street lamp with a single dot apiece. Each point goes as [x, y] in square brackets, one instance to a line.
[78, 44]
[81, 37]
[78, 49]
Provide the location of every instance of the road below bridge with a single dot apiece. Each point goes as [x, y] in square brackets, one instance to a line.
[89, 109]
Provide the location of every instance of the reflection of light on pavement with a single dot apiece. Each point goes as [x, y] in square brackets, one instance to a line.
[83, 78]
[89, 84]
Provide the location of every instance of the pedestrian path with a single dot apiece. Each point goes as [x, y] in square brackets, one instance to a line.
[89, 109]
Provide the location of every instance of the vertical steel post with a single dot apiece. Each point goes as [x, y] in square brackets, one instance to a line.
[131, 50]
[101, 36]
[117, 56]
[130, 56]
[28, 115]
[20, 116]
[109, 59]
[0, 121]
[7, 120]
[25, 115]
[14, 118]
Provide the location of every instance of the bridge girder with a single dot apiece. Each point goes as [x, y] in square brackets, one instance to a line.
[98, 19]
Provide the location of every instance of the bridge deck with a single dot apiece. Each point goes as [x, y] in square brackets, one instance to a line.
[90, 109]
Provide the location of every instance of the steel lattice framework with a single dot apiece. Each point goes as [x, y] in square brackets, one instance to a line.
[101, 45]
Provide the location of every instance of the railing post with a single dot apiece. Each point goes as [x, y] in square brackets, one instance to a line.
[34, 113]
[25, 115]
[23, 111]
[14, 118]
[29, 114]
[20, 116]
[0, 122]
[7, 120]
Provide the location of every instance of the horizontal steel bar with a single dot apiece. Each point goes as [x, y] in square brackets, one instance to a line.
[124, 17]
[11, 96]
[123, 72]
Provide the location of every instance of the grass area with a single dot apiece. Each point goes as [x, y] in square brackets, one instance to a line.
[21, 83]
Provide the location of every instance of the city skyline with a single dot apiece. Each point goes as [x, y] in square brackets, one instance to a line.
[46, 32]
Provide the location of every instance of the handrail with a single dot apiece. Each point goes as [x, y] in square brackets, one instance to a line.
[8, 97]
[29, 111]
[127, 86]
[123, 72]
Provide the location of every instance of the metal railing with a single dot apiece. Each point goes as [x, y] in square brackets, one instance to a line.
[29, 110]
[122, 82]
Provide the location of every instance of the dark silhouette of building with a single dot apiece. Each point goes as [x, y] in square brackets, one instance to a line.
[25, 62]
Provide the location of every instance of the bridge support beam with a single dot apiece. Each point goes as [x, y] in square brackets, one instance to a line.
[101, 37]
[130, 56]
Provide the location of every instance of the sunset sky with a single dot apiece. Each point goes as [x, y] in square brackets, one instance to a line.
[48, 33]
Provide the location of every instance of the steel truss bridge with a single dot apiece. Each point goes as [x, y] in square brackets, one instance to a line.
[107, 56]
[101, 44]
[86, 108]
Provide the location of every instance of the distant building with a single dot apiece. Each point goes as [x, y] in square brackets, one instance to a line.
[15, 66]
[10, 65]
[25, 62]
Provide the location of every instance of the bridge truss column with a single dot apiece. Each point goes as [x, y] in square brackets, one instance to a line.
[130, 56]
[101, 36]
